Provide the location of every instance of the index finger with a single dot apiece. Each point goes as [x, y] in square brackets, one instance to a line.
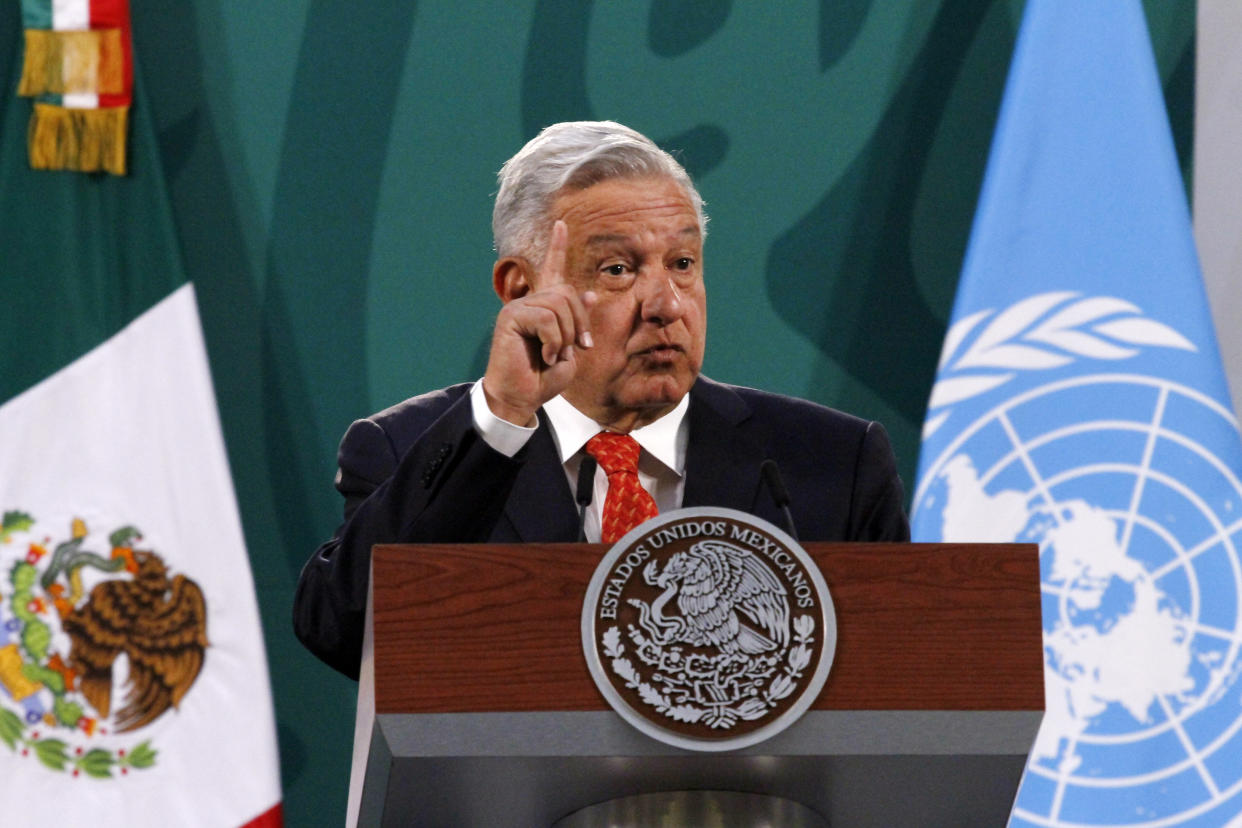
[552, 274]
[552, 269]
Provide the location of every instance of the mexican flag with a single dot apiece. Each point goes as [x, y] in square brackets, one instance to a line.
[133, 680]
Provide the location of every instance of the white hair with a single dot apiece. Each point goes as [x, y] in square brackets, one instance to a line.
[572, 156]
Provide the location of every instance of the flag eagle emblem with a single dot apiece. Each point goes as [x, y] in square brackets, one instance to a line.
[70, 617]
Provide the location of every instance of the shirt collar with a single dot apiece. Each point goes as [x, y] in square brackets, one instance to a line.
[665, 439]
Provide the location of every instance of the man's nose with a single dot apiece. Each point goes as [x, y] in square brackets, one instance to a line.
[661, 301]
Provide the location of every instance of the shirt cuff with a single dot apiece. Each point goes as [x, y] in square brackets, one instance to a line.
[501, 435]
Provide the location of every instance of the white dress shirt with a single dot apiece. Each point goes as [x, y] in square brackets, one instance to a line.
[661, 463]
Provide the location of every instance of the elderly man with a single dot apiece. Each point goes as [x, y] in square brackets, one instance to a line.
[596, 351]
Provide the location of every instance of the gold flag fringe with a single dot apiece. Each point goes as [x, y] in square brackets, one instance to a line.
[61, 62]
[84, 140]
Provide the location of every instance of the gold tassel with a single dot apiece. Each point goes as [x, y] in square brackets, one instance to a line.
[39, 71]
[111, 63]
[71, 62]
[84, 140]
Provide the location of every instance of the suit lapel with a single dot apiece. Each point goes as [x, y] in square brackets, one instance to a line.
[541, 506]
[724, 453]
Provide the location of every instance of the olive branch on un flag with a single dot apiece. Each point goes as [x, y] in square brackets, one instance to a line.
[1047, 330]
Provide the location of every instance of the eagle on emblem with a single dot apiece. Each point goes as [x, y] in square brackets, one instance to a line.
[158, 623]
[727, 597]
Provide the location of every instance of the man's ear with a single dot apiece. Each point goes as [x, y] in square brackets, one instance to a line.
[512, 278]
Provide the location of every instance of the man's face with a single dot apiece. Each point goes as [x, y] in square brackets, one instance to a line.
[635, 242]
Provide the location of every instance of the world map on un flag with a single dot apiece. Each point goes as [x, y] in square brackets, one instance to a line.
[1129, 484]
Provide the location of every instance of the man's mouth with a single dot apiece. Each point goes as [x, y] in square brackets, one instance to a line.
[661, 351]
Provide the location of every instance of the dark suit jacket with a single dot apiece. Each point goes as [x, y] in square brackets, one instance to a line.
[419, 473]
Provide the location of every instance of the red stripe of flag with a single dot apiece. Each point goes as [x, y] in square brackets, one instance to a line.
[114, 14]
[271, 818]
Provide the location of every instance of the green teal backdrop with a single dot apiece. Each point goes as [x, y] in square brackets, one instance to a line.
[324, 172]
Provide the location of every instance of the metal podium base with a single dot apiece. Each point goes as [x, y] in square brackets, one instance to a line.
[719, 809]
[862, 769]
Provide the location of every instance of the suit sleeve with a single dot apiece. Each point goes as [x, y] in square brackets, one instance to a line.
[448, 486]
[876, 508]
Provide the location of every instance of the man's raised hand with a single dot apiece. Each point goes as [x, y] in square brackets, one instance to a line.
[532, 357]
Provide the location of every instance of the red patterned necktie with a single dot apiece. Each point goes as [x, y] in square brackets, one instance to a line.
[628, 503]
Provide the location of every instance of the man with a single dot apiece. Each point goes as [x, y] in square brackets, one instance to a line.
[599, 236]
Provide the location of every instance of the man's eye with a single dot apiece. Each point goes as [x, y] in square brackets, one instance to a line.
[615, 270]
[684, 263]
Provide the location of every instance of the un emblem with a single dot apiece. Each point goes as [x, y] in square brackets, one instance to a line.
[1118, 478]
[708, 629]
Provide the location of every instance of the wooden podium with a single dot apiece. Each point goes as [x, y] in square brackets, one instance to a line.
[476, 706]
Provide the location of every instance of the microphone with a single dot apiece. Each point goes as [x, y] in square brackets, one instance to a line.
[585, 491]
[780, 495]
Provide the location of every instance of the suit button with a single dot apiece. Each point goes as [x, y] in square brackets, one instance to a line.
[436, 462]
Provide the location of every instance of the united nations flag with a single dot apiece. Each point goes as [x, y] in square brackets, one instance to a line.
[1080, 404]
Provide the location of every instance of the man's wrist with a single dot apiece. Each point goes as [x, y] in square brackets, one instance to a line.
[501, 433]
[523, 417]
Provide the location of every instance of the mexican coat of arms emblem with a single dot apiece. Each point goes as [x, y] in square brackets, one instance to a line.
[708, 629]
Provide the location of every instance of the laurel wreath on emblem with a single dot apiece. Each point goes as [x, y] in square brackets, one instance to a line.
[159, 623]
[737, 681]
[1044, 331]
